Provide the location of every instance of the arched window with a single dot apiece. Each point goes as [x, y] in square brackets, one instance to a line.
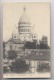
[28, 30]
[20, 30]
[24, 30]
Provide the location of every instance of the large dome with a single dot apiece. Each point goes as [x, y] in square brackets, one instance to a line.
[24, 20]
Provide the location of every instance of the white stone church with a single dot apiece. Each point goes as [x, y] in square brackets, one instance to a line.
[16, 42]
[25, 34]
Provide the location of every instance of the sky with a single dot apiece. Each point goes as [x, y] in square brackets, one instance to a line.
[38, 13]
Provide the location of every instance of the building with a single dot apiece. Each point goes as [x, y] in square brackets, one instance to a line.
[16, 42]
[28, 40]
[38, 60]
[24, 27]
[44, 40]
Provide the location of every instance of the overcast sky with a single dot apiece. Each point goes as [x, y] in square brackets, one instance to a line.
[38, 13]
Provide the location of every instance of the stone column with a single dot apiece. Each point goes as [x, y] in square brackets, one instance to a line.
[32, 66]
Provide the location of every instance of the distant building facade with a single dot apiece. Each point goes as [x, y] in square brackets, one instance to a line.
[38, 61]
[44, 40]
[14, 44]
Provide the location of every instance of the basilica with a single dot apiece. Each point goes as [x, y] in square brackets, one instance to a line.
[25, 44]
[16, 42]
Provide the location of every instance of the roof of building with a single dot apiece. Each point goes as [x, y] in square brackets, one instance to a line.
[16, 41]
[41, 55]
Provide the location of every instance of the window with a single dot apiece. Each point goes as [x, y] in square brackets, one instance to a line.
[28, 30]
[14, 36]
[10, 47]
[34, 36]
[24, 30]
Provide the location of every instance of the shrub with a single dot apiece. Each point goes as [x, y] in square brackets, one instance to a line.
[19, 66]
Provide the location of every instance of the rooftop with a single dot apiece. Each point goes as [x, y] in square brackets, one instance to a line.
[40, 55]
[16, 41]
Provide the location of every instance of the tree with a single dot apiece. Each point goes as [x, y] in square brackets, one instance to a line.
[5, 69]
[19, 66]
[44, 67]
[4, 54]
[30, 45]
[44, 46]
[3, 44]
[12, 54]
